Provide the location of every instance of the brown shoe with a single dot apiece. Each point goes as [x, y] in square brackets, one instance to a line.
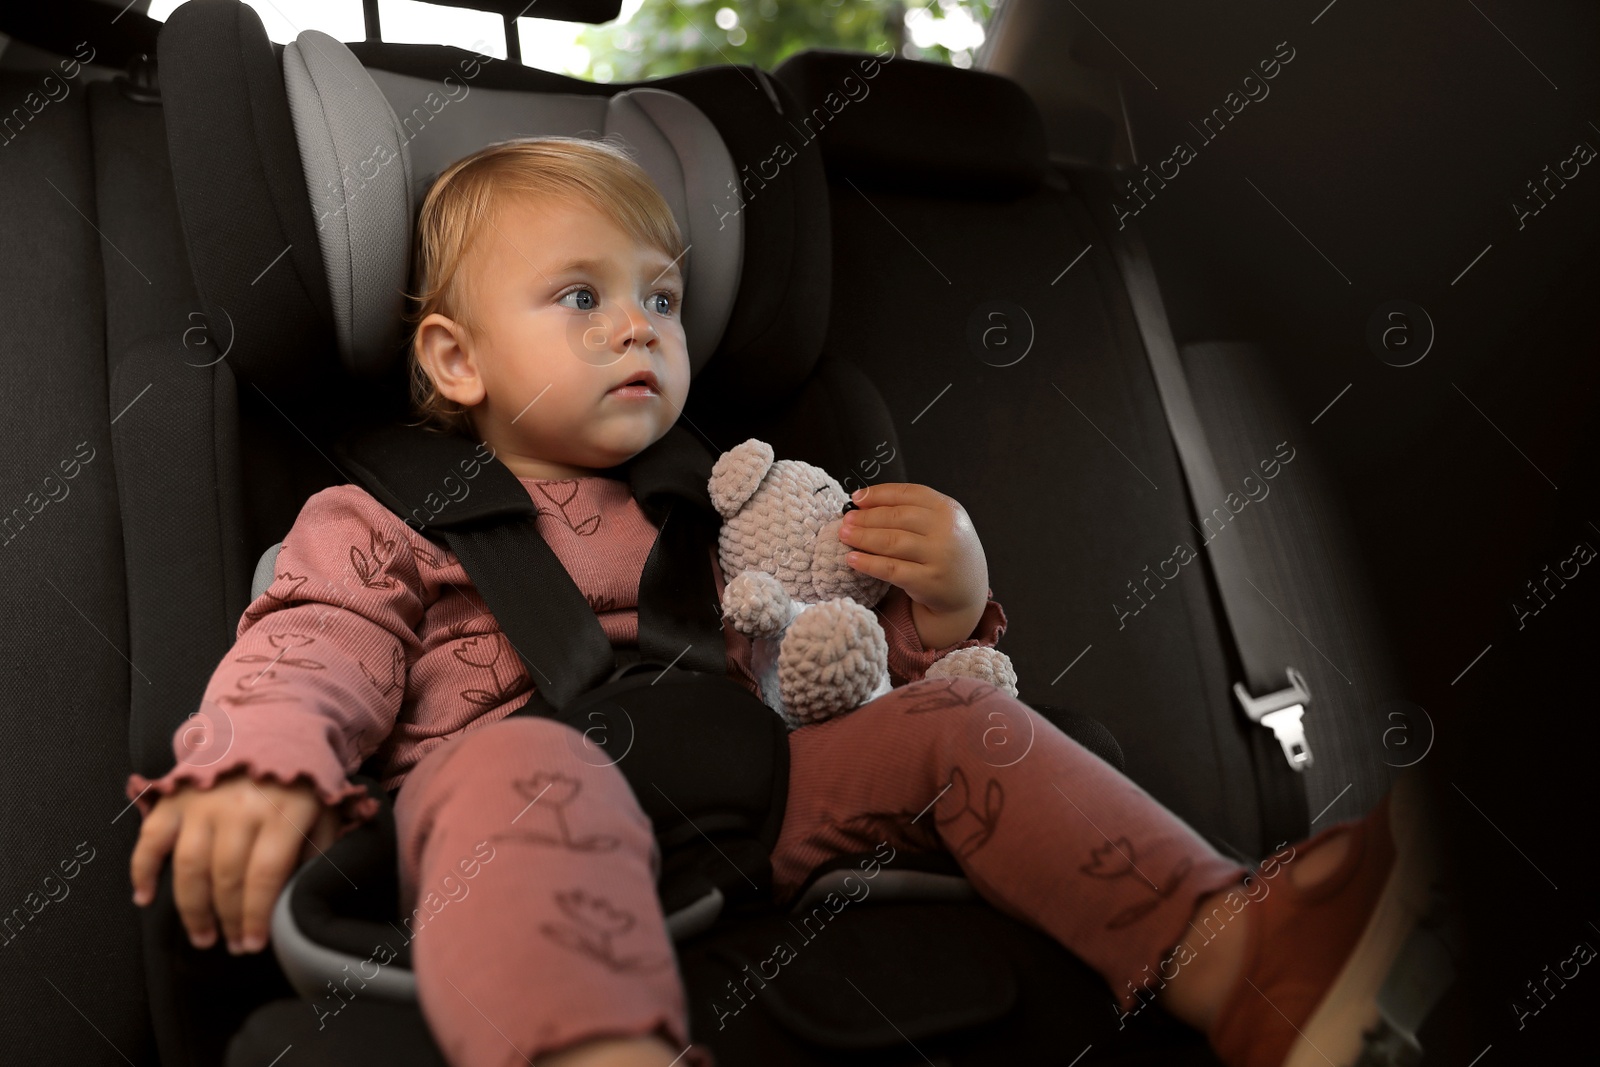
[1315, 957]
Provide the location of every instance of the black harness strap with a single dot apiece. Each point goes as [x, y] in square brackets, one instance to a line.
[491, 527]
[703, 756]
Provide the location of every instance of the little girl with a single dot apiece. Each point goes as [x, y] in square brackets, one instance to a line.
[549, 330]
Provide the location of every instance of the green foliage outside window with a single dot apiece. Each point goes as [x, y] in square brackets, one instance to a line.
[668, 36]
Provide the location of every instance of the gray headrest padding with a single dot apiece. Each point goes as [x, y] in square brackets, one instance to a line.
[367, 171]
[358, 176]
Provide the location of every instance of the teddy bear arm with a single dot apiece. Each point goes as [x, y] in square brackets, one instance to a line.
[981, 662]
[756, 604]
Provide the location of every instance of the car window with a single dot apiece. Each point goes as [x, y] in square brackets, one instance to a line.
[284, 19]
[413, 22]
[651, 38]
[655, 38]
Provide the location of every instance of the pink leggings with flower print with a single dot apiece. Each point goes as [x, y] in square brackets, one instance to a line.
[529, 872]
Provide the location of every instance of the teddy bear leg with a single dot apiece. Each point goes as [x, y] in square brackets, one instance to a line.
[834, 658]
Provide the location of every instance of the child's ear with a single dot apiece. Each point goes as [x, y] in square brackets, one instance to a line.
[444, 351]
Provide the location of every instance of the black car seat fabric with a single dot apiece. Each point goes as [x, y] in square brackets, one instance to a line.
[977, 289]
[95, 269]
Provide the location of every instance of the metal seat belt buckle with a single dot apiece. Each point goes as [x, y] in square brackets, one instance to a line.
[1283, 713]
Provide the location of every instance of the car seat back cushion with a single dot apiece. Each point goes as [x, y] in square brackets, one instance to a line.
[366, 171]
[985, 141]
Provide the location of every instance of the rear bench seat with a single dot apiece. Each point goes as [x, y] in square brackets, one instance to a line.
[971, 286]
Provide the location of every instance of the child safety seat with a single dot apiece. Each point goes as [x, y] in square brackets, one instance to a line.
[295, 160]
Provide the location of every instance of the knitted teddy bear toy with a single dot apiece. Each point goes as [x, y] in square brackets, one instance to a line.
[818, 648]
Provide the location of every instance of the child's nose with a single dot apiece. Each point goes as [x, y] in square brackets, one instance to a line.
[639, 328]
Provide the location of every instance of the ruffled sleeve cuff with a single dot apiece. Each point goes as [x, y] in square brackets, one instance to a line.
[350, 800]
[908, 659]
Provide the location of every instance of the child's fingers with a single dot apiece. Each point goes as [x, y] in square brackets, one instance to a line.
[889, 494]
[916, 519]
[886, 568]
[899, 543]
[273, 860]
[191, 879]
[156, 835]
[230, 859]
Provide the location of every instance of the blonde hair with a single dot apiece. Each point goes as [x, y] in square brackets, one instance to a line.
[461, 202]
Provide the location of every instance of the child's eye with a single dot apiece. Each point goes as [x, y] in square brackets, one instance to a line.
[662, 303]
[583, 292]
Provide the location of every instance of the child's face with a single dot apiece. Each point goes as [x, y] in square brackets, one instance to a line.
[568, 307]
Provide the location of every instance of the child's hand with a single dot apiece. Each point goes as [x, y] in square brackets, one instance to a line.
[922, 541]
[237, 844]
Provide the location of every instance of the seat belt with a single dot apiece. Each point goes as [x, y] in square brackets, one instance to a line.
[1279, 748]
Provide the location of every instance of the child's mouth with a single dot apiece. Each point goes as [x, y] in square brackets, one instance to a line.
[642, 385]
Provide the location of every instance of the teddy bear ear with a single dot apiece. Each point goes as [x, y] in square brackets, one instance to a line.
[737, 475]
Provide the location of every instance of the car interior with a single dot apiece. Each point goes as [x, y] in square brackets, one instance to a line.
[1251, 514]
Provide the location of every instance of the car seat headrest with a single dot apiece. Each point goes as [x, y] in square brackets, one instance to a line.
[916, 126]
[367, 170]
[761, 237]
